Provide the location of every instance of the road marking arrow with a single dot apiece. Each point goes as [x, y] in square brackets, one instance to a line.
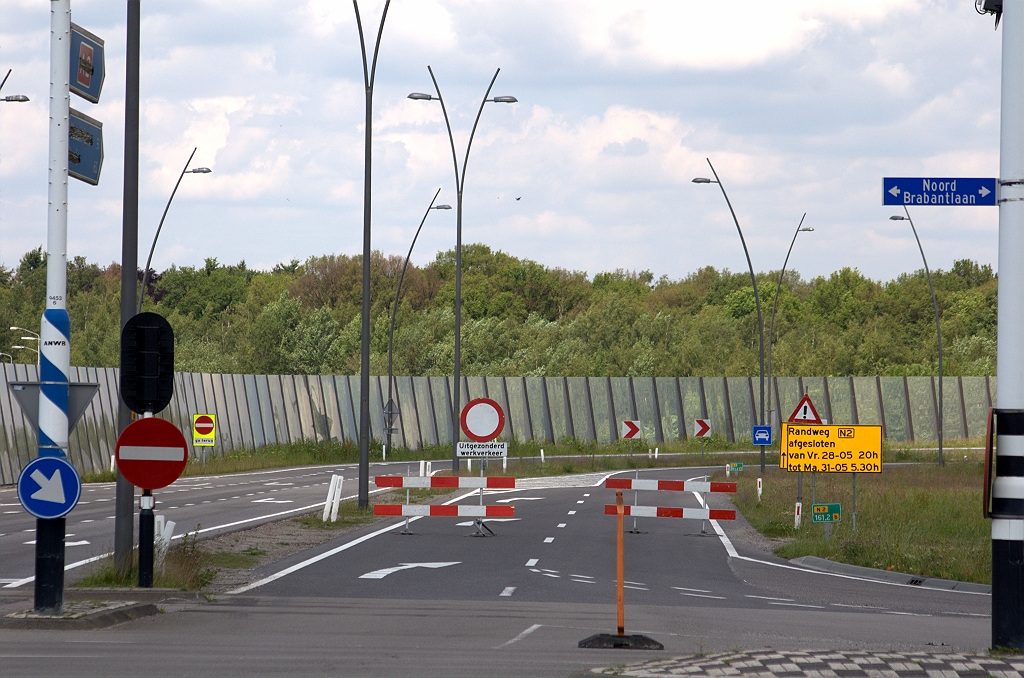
[895, 191]
[984, 191]
[50, 489]
[380, 574]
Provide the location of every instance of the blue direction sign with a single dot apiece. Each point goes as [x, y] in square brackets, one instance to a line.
[85, 148]
[927, 191]
[49, 487]
[87, 64]
[761, 435]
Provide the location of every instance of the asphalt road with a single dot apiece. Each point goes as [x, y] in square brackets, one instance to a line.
[442, 603]
[214, 504]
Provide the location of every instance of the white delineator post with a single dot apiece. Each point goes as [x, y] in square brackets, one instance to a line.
[55, 328]
[1008, 490]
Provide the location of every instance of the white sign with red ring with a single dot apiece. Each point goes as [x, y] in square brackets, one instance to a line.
[151, 453]
[482, 420]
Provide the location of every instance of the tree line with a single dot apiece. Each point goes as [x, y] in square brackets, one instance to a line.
[522, 318]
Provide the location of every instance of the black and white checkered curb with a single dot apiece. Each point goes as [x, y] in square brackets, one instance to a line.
[772, 664]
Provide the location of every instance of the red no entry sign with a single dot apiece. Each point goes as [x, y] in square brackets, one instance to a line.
[151, 453]
[482, 420]
[204, 425]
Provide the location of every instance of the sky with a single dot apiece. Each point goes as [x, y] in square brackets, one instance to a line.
[802, 106]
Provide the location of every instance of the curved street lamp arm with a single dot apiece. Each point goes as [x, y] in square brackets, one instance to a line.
[475, 123]
[753, 280]
[376, 46]
[451, 138]
[775, 305]
[938, 326]
[149, 260]
[398, 292]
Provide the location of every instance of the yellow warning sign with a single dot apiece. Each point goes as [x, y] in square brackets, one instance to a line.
[831, 448]
[204, 430]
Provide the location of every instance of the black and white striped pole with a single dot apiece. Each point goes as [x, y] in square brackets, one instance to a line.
[1007, 488]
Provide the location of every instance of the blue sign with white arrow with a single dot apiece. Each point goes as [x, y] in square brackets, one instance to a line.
[49, 487]
[969, 192]
[761, 435]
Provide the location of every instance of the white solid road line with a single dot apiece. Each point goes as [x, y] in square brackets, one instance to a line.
[507, 591]
[817, 607]
[680, 588]
[785, 600]
[519, 637]
[327, 554]
[731, 551]
[699, 595]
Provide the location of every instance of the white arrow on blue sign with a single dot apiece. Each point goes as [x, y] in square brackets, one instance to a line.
[49, 487]
[969, 192]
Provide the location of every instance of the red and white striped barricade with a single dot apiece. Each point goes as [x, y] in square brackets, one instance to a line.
[699, 486]
[446, 482]
[442, 511]
[671, 512]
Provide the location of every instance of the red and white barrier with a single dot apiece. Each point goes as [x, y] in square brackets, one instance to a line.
[671, 485]
[446, 482]
[441, 511]
[671, 512]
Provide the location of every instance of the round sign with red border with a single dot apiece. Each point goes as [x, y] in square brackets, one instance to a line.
[151, 453]
[482, 420]
[203, 425]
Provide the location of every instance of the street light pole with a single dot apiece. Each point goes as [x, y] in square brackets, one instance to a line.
[145, 275]
[369, 72]
[753, 280]
[938, 326]
[460, 182]
[775, 306]
[389, 413]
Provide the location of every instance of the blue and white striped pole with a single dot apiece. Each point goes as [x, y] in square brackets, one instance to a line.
[55, 332]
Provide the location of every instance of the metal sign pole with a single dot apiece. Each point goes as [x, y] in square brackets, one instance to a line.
[1008, 534]
[55, 332]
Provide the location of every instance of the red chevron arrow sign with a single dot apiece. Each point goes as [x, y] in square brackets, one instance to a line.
[630, 429]
[701, 428]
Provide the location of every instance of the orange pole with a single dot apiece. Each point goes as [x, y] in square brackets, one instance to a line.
[620, 563]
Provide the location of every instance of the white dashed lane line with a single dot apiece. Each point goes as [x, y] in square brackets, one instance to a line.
[548, 540]
[561, 524]
[507, 591]
[572, 513]
[531, 562]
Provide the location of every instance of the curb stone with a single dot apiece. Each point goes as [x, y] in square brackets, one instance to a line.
[824, 565]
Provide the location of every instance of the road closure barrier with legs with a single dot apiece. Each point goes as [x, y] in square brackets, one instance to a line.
[702, 487]
[445, 482]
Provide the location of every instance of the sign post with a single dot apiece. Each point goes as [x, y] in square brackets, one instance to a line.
[151, 453]
[702, 430]
[482, 421]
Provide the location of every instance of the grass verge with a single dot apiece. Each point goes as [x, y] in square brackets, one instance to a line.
[919, 519]
[186, 566]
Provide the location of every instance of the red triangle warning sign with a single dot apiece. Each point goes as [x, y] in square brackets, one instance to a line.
[805, 412]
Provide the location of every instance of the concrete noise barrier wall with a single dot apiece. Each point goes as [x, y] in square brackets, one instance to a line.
[254, 410]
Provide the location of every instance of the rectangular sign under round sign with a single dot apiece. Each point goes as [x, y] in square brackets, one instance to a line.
[831, 448]
[473, 449]
[969, 192]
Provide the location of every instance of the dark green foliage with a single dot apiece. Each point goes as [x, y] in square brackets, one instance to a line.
[522, 318]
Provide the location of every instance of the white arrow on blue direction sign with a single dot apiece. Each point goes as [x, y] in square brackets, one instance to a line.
[984, 191]
[50, 489]
[380, 574]
[895, 190]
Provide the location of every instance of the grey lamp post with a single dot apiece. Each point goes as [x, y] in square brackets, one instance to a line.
[389, 410]
[938, 326]
[460, 182]
[145, 274]
[12, 98]
[34, 337]
[369, 72]
[775, 305]
[753, 280]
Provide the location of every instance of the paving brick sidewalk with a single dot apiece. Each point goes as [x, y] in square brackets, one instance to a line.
[827, 664]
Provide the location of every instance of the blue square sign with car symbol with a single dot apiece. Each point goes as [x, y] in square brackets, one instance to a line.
[762, 435]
